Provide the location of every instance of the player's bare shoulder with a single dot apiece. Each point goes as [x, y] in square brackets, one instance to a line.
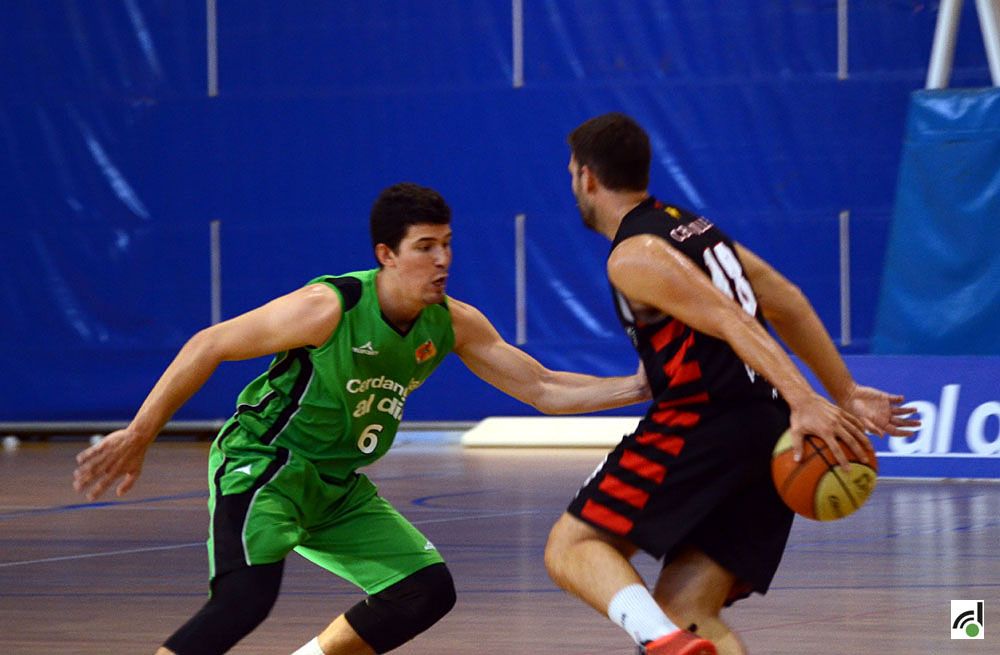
[642, 258]
[320, 299]
[462, 315]
[638, 253]
[319, 309]
[469, 324]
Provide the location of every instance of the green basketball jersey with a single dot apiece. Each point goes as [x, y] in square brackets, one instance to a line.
[340, 404]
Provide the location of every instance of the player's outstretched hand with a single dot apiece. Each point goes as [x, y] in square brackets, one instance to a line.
[837, 427]
[882, 413]
[118, 455]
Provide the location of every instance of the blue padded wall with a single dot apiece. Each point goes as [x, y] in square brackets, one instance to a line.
[114, 160]
[941, 290]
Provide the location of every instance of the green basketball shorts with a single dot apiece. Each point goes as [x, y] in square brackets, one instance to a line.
[266, 501]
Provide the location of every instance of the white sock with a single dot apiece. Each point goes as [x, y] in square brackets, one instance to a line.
[312, 648]
[634, 609]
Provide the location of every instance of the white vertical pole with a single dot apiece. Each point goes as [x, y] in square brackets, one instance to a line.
[212, 44]
[214, 230]
[517, 27]
[943, 50]
[841, 39]
[520, 281]
[989, 23]
[845, 278]
[215, 281]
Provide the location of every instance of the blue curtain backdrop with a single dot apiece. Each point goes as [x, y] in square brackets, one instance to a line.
[941, 289]
[114, 160]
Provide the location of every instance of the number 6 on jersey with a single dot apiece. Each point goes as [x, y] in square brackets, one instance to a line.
[368, 441]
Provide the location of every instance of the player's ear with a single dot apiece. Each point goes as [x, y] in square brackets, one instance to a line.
[384, 254]
[588, 179]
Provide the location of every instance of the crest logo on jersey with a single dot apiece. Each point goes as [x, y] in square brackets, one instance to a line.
[425, 351]
[365, 349]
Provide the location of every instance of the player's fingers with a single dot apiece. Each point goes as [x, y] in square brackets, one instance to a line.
[855, 423]
[843, 419]
[867, 449]
[861, 454]
[86, 472]
[127, 483]
[838, 453]
[79, 481]
[88, 454]
[901, 430]
[851, 433]
[905, 410]
[904, 425]
[857, 441]
[107, 472]
[98, 488]
[796, 436]
[870, 426]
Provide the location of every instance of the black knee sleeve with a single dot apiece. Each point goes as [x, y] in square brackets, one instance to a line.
[240, 601]
[399, 613]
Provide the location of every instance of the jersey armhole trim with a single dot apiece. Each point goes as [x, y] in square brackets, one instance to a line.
[348, 287]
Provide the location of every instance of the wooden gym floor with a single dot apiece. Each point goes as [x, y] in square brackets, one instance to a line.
[118, 576]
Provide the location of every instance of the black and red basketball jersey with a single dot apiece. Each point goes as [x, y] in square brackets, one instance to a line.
[687, 368]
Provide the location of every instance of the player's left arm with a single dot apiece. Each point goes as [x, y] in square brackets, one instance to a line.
[520, 375]
[791, 314]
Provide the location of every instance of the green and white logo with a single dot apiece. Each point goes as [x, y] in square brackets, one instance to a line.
[967, 619]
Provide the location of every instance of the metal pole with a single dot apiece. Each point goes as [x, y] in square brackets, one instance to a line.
[943, 51]
[215, 283]
[212, 48]
[989, 23]
[842, 39]
[520, 281]
[517, 28]
[845, 278]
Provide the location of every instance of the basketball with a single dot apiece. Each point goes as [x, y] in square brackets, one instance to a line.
[817, 487]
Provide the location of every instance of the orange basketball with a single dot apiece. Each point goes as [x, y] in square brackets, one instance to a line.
[816, 487]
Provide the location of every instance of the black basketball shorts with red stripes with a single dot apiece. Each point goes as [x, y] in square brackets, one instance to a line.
[698, 477]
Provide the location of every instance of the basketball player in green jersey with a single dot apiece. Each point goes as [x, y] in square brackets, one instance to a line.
[283, 470]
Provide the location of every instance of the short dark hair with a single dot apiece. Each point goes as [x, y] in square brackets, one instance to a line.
[616, 149]
[402, 205]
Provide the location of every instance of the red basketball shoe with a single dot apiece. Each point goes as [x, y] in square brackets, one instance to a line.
[679, 642]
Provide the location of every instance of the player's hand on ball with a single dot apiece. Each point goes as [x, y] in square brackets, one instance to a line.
[118, 455]
[835, 426]
[817, 487]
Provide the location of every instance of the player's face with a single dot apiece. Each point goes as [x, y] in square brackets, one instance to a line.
[422, 260]
[587, 211]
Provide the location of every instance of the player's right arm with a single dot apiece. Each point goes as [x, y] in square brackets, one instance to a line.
[791, 314]
[305, 317]
[649, 272]
[521, 376]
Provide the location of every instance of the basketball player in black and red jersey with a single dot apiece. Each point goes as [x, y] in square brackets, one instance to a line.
[692, 484]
